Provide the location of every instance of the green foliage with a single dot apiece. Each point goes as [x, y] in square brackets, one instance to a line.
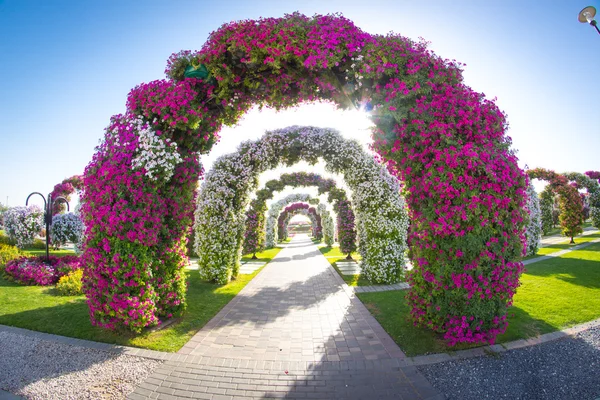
[546, 206]
[7, 253]
[5, 239]
[70, 284]
[38, 244]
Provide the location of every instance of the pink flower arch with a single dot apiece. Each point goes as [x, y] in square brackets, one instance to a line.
[444, 141]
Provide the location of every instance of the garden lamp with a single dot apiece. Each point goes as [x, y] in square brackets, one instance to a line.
[586, 16]
[48, 215]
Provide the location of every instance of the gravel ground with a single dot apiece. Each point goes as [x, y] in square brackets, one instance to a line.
[39, 369]
[563, 369]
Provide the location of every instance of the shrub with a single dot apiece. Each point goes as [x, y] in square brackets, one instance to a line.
[546, 206]
[8, 253]
[4, 239]
[70, 284]
[38, 244]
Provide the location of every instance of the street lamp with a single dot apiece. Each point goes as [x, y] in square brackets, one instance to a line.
[48, 215]
[586, 16]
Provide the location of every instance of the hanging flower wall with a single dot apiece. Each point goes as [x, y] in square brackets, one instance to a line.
[589, 181]
[570, 203]
[295, 209]
[65, 189]
[327, 223]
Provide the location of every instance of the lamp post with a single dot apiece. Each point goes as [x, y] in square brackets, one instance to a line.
[586, 16]
[48, 216]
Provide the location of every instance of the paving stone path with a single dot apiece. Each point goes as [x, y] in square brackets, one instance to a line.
[292, 332]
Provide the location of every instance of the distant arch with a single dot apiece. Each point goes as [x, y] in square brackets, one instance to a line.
[381, 217]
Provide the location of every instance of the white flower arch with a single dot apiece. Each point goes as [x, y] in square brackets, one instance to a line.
[534, 228]
[380, 211]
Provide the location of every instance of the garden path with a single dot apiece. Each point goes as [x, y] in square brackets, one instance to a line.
[557, 239]
[294, 331]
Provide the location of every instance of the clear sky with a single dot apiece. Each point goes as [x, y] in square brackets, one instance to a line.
[67, 66]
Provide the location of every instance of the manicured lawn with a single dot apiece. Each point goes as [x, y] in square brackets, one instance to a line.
[554, 294]
[333, 255]
[41, 309]
[266, 255]
[565, 245]
[57, 253]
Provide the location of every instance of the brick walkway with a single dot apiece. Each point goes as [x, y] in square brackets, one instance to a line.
[292, 332]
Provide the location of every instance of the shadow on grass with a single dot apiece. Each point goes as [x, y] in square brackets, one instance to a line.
[577, 271]
[38, 308]
[393, 313]
[521, 325]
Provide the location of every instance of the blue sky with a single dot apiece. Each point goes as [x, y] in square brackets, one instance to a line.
[67, 66]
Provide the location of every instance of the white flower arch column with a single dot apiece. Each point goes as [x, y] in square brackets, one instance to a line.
[276, 208]
[534, 228]
[306, 213]
[380, 211]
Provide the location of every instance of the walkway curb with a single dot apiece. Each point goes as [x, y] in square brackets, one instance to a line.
[308, 365]
[560, 253]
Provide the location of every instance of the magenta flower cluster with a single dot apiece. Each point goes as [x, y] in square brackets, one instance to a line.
[65, 189]
[37, 270]
[136, 234]
[444, 141]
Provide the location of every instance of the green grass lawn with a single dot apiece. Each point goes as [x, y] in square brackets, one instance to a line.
[266, 255]
[42, 309]
[333, 255]
[57, 253]
[565, 245]
[554, 294]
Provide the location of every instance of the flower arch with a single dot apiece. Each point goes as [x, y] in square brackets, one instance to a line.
[590, 182]
[444, 141]
[295, 209]
[534, 227]
[277, 208]
[570, 203]
[381, 216]
[65, 189]
[254, 229]
[327, 223]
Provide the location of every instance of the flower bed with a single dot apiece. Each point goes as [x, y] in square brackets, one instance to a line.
[37, 270]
